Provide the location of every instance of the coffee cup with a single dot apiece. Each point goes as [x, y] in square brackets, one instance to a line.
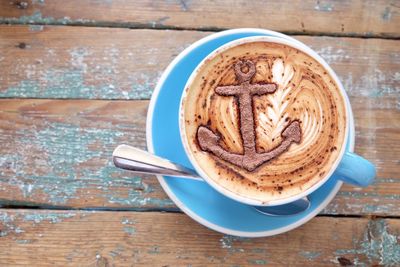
[265, 121]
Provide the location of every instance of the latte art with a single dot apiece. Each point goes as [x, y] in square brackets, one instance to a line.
[250, 160]
[264, 120]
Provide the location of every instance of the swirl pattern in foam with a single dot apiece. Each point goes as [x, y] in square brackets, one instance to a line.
[305, 92]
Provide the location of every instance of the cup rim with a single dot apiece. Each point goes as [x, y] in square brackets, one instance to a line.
[183, 205]
[240, 198]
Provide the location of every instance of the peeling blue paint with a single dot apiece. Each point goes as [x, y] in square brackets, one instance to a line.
[7, 221]
[136, 199]
[62, 145]
[24, 241]
[37, 18]
[102, 2]
[310, 255]
[129, 230]
[228, 240]
[387, 180]
[51, 217]
[379, 208]
[127, 221]
[9, 226]
[18, 230]
[161, 20]
[258, 250]
[377, 245]
[60, 149]
[354, 194]
[69, 81]
[184, 4]
[387, 14]
[374, 83]
[324, 6]
[258, 262]
[117, 251]
[40, 2]
[36, 28]
[70, 84]
[74, 253]
[10, 221]
[154, 250]
[374, 204]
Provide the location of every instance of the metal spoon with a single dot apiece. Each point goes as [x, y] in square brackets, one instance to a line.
[140, 161]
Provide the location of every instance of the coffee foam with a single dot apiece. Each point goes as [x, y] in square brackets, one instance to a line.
[305, 93]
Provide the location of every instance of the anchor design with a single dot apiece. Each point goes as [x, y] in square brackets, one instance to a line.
[244, 91]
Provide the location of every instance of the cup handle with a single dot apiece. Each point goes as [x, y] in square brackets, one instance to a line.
[356, 170]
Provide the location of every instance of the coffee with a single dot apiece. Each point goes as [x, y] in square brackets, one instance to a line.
[264, 120]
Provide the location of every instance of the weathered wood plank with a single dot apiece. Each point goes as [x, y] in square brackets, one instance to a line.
[57, 153]
[104, 63]
[78, 238]
[350, 17]
[70, 62]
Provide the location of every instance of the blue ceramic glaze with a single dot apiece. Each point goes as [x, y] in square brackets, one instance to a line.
[356, 170]
[197, 199]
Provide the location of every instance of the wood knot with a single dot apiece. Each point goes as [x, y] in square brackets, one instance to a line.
[344, 261]
[21, 4]
[21, 45]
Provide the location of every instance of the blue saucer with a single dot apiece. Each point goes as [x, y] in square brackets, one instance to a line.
[197, 199]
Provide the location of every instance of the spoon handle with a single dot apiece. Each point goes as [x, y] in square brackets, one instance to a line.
[137, 160]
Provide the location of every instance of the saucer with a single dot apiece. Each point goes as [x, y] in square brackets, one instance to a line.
[196, 198]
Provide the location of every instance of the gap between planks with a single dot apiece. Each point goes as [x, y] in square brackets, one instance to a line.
[120, 239]
[350, 18]
[162, 210]
[140, 26]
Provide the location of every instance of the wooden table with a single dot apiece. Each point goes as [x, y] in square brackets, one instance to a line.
[75, 81]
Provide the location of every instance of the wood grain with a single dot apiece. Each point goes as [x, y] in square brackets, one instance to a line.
[58, 153]
[104, 63]
[71, 62]
[350, 17]
[64, 107]
[79, 238]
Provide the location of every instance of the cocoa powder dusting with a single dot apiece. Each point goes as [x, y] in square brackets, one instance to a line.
[244, 91]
